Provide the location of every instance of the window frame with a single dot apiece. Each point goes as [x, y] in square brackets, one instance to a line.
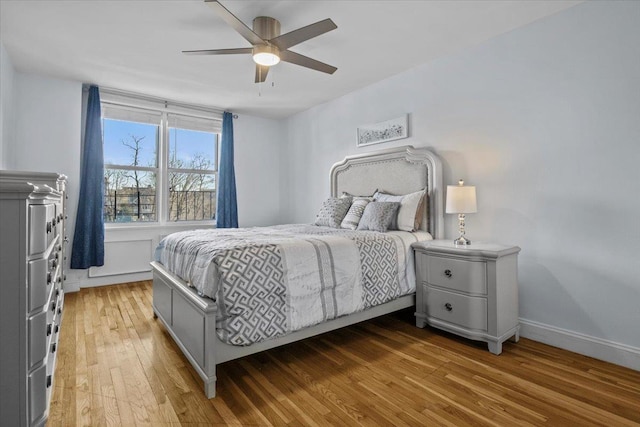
[162, 169]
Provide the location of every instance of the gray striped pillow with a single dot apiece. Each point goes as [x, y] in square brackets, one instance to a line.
[352, 219]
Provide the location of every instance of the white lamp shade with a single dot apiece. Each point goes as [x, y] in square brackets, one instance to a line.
[461, 199]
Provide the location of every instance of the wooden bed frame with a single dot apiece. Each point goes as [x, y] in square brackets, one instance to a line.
[191, 319]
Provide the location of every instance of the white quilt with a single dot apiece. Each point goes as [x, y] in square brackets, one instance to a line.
[275, 280]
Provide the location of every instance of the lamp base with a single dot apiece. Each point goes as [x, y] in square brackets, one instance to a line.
[462, 241]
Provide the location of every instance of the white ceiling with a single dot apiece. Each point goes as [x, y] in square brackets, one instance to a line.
[136, 45]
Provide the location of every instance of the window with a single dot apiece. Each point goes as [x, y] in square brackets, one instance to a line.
[192, 170]
[159, 166]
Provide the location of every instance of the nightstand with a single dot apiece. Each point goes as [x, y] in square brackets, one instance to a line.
[469, 291]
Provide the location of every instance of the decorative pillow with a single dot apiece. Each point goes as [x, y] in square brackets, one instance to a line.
[333, 211]
[385, 197]
[352, 219]
[411, 208]
[410, 213]
[377, 216]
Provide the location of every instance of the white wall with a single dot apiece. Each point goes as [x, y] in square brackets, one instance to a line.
[258, 161]
[545, 121]
[47, 133]
[47, 138]
[6, 106]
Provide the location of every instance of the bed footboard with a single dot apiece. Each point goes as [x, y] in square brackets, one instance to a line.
[191, 322]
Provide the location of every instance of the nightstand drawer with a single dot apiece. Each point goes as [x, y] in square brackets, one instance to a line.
[456, 274]
[462, 310]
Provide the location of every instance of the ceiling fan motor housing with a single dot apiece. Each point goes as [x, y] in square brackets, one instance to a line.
[266, 27]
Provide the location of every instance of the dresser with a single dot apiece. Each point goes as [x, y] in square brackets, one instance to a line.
[32, 273]
[469, 291]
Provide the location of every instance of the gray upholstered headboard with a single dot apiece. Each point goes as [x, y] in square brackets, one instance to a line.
[400, 170]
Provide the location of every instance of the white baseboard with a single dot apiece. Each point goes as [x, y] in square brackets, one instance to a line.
[598, 348]
[71, 287]
[92, 282]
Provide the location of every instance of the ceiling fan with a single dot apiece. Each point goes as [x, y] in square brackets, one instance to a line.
[268, 46]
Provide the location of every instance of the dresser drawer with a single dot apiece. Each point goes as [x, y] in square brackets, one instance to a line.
[456, 274]
[461, 310]
[39, 283]
[39, 234]
[37, 338]
[38, 385]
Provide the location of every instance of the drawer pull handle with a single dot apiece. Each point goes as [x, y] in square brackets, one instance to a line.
[48, 278]
[448, 306]
[448, 273]
[53, 306]
[49, 329]
[53, 348]
[48, 381]
[56, 329]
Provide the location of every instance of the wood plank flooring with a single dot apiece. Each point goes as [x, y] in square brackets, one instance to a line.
[118, 366]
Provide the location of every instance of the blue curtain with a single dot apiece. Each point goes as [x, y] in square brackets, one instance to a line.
[226, 202]
[88, 239]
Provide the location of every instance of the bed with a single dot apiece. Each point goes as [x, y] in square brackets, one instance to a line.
[192, 316]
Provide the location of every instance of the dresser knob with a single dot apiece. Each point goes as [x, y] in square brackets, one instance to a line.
[49, 329]
[448, 273]
[48, 278]
[56, 329]
[53, 348]
[48, 381]
[448, 306]
[53, 306]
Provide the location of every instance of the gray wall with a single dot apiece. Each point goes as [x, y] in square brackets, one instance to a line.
[545, 121]
[6, 103]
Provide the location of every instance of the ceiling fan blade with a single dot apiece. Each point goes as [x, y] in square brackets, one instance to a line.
[237, 24]
[292, 38]
[261, 73]
[219, 51]
[305, 61]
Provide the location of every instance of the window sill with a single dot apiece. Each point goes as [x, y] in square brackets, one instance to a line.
[159, 225]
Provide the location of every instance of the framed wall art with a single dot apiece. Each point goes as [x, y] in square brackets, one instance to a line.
[388, 130]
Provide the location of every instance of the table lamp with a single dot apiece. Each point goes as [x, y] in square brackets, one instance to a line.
[461, 200]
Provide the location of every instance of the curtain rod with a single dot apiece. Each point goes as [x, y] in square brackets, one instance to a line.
[149, 98]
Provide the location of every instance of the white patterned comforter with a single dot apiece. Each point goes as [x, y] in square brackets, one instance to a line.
[275, 280]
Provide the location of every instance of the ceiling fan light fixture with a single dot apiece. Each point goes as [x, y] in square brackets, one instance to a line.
[266, 55]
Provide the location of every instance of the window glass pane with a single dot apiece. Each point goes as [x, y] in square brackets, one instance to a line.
[129, 196]
[191, 149]
[192, 197]
[130, 143]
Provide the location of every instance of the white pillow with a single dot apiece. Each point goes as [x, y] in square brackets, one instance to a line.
[410, 212]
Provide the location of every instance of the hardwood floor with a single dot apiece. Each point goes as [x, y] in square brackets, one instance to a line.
[118, 366]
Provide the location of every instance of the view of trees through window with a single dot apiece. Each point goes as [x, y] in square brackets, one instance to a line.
[132, 172]
[192, 161]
